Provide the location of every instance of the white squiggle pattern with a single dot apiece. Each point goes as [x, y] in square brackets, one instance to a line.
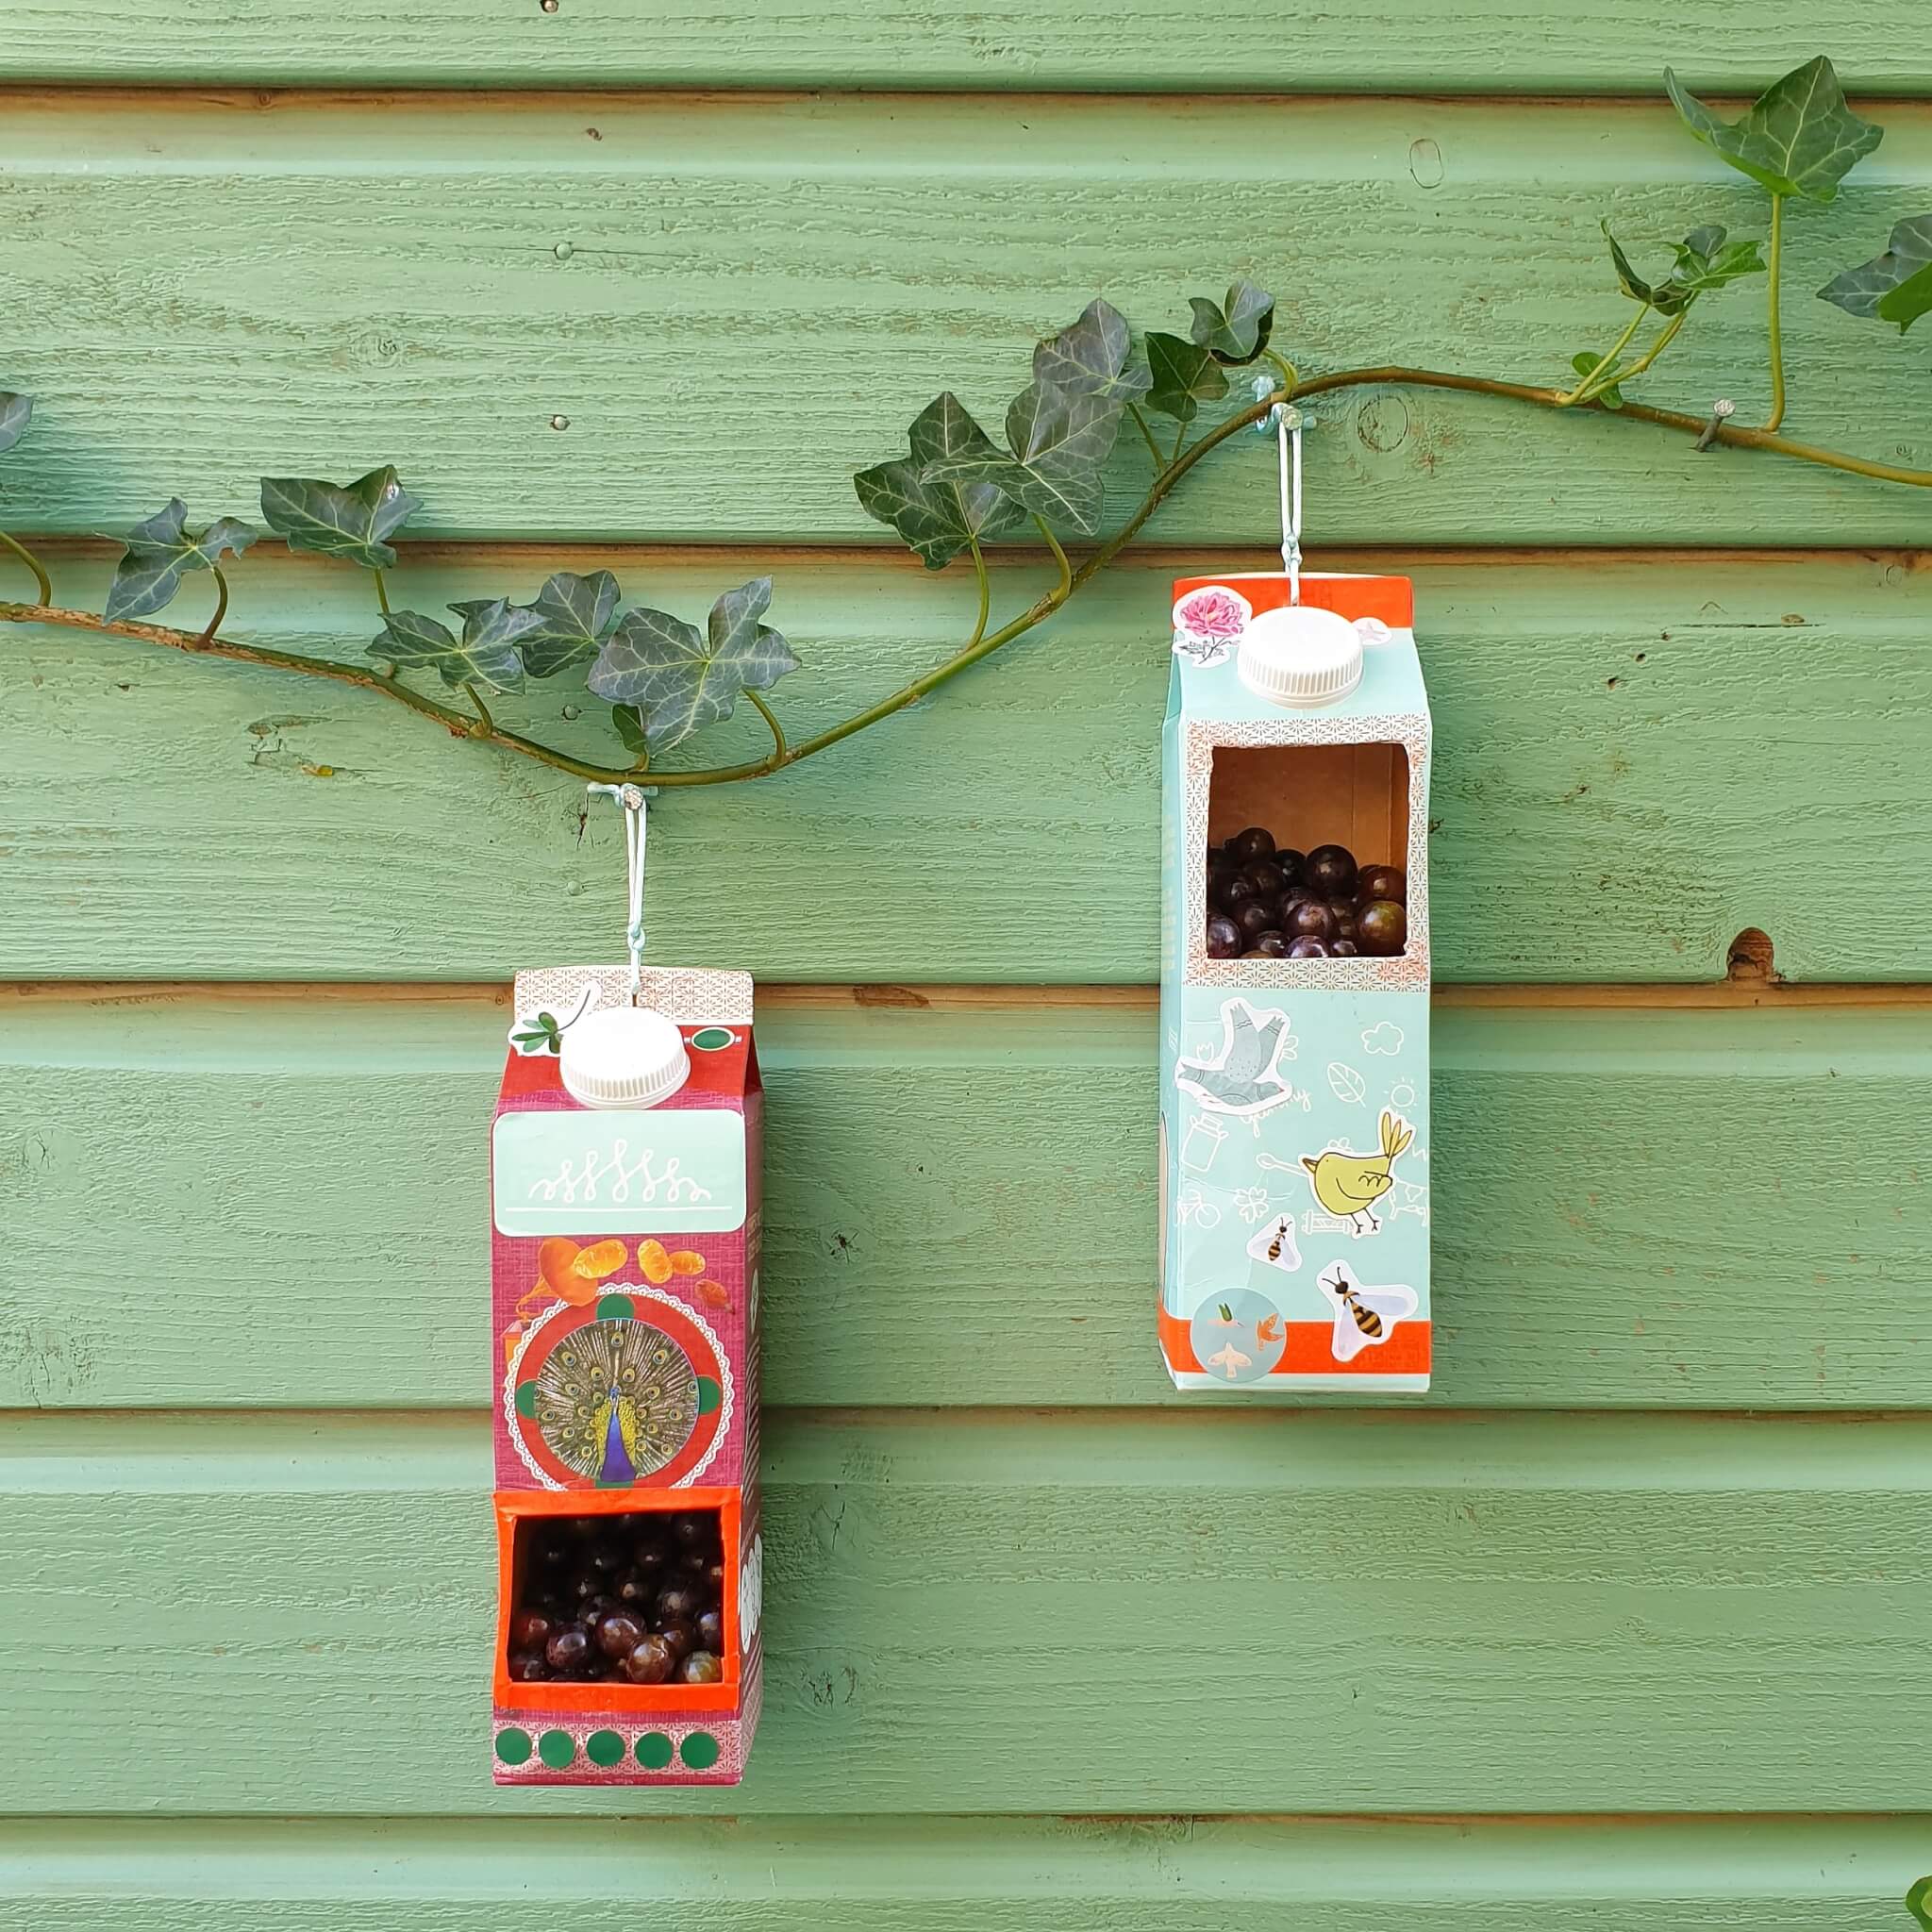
[571, 1184]
[751, 1593]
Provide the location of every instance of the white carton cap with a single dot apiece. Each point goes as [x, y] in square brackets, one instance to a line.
[623, 1056]
[1301, 655]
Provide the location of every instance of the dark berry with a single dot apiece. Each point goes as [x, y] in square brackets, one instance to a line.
[714, 1575]
[1252, 845]
[710, 1627]
[648, 1558]
[618, 1635]
[651, 1662]
[1269, 946]
[607, 1558]
[1267, 878]
[1381, 928]
[1220, 859]
[700, 1667]
[527, 1667]
[1382, 882]
[1224, 937]
[569, 1650]
[680, 1603]
[1343, 949]
[694, 1530]
[1344, 910]
[679, 1635]
[1308, 920]
[1254, 919]
[529, 1629]
[1330, 870]
[638, 1589]
[1293, 863]
[1234, 892]
[1307, 949]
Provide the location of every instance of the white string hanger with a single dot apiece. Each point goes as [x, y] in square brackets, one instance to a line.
[631, 800]
[1288, 422]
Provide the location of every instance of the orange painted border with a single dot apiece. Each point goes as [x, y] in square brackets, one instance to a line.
[1392, 599]
[640, 1700]
[1307, 1353]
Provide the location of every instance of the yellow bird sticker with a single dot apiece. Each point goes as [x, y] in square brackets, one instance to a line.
[1348, 1185]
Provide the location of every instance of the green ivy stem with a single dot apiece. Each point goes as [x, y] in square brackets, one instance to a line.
[1772, 317]
[984, 643]
[1657, 347]
[985, 590]
[381, 592]
[33, 563]
[214, 623]
[1604, 374]
[771, 717]
[483, 717]
[1059, 556]
[1160, 461]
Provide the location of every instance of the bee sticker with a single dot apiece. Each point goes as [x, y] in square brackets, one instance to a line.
[1274, 1243]
[1348, 1185]
[1364, 1317]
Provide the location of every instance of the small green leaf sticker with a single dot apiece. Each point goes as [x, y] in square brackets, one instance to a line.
[160, 552]
[486, 654]
[339, 519]
[1184, 375]
[570, 618]
[14, 412]
[939, 519]
[1797, 138]
[1892, 287]
[681, 680]
[1093, 356]
[1235, 331]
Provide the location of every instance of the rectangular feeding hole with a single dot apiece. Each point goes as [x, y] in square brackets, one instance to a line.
[633, 1598]
[1306, 850]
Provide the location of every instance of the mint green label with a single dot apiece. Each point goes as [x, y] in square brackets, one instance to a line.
[620, 1171]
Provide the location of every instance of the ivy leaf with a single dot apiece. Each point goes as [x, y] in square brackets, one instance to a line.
[630, 728]
[1183, 375]
[1235, 332]
[1061, 442]
[1892, 287]
[160, 553]
[1918, 1902]
[681, 680]
[569, 620]
[1706, 261]
[1632, 284]
[339, 519]
[1797, 138]
[487, 652]
[1094, 357]
[1587, 364]
[14, 411]
[939, 519]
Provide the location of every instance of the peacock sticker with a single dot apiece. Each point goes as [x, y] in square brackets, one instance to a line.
[616, 1401]
[1348, 1184]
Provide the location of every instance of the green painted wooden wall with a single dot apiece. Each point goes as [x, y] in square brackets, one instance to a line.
[1625, 1625]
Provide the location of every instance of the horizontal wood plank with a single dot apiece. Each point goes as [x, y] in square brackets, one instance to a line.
[1478, 46]
[733, 303]
[1636, 761]
[264, 1204]
[1333, 1613]
[938, 1875]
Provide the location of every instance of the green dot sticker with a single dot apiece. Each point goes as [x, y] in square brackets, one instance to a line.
[711, 1039]
[709, 1396]
[556, 1749]
[699, 1751]
[513, 1746]
[604, 1747]
[526, 1400]
[654, 1750]
[615, 1308]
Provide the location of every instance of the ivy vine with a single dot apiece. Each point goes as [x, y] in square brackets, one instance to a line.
[956, 490]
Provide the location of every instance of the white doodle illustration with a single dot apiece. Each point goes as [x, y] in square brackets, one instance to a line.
[1250, 1204]
[1402, 1094]
[1315, 1222]
[1244, 1076]
[1194, 1208]
[1346, 1084]
[1364, 1317]
[1415, 1201]
[1202, 1143]
[1230, 1359]
[1274, 1243]
[1384, 1038]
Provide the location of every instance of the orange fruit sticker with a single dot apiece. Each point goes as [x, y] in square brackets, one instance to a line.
[554, 1263]
[655, 1262]
[683, 1261]
[714, 1293]
[600, 1260]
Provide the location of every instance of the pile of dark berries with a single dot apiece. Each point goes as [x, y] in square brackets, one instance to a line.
[620, 1600]
[1271, 902]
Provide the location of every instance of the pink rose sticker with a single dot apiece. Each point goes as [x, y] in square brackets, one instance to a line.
[1208, 622]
